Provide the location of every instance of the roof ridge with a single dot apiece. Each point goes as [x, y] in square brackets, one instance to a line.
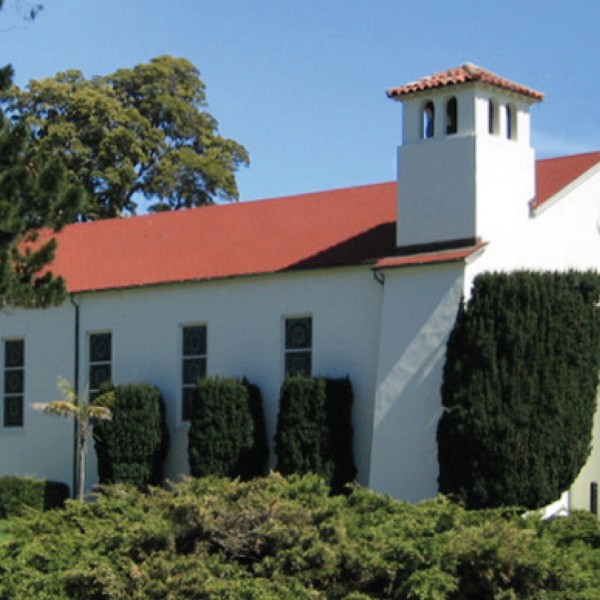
[465, 73]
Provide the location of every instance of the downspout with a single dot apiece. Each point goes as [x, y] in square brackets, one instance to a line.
[76, 388]
[379, 277]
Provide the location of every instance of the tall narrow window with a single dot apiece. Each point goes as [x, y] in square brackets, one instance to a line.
[100, 361]
[193, 365]
[492, 118]
[510, 123]
[451, 117]
[14, 382]
[427, 121]
[298, 346]
[594, 498]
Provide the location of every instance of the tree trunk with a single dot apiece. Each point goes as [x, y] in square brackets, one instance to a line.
[81, 459]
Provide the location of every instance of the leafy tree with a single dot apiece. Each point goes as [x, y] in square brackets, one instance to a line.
[79, 408]
[35, 193]
[520, 385]
[140, 132]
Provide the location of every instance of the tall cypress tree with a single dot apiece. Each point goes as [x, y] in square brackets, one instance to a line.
[35, 194]
[520, 385]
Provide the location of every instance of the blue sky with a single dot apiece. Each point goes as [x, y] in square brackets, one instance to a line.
[301, 83]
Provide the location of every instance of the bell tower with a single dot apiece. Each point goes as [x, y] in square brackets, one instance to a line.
[465, 166]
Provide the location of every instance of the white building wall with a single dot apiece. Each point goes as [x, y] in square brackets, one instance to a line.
[434, 203]
[563, 236]
[419, 310]
[467, 184]
[44, 446]
[245, 329]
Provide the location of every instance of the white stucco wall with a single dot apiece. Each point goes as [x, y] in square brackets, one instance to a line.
[245, 327]
[44, 446]
[470, 183]
[563, 236]
[419, 309]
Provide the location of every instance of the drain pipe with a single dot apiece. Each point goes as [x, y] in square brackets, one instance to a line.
[76, 388]
[379, 277]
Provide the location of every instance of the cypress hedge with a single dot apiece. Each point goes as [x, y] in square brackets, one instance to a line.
[18, 492]
[227, 431]
[131, 448]
[520, 388]
[314, 429]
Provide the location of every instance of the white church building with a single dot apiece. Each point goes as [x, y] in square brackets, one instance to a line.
[368, 279]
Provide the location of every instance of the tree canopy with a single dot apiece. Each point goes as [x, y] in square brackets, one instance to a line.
[35, 193]
[139, 133]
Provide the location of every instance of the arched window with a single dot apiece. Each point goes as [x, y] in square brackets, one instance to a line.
[492, 118]
[451, 117]
[511, 124]
[427, 120]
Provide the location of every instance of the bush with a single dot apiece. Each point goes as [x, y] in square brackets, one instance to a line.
[18, 492]
[314, 429]
[131, 448]
[227, 431]
[273, 538]
[520, 385]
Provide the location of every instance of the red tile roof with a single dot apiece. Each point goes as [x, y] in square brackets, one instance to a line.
[553, 174]
[349, 226]
[464, 74]
[339, 227]
[429, 258]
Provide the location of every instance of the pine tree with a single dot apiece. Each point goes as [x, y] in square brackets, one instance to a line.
[35, 195]
[520, 385]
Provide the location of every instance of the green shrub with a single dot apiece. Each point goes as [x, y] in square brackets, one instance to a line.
[131, 448]
[253, 462]
[314, 429]
[520, 384]
[18, 492]
[227, 431]
[275, 538]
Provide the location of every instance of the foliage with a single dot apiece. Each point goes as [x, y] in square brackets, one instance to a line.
[520, 385]
[132, 446]
[314, 429]
[227, 431]
[137, 132]
[273, 538]
[4, 530]
[18, 492]
[79, 408]
[35, 193]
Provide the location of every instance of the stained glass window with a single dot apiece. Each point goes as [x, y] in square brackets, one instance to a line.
[14, 382]
[298, 346]
[100, 361]
[193, 365]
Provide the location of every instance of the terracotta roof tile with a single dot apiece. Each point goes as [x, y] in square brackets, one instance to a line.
[554, 174]
[338, 227]
[349, 226]
[428, 258]
[464, 74]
